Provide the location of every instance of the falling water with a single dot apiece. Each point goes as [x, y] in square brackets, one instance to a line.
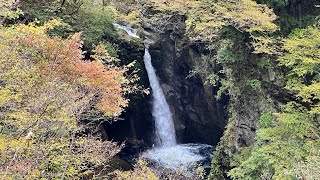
[131, 32]
[163, 119]
[166, 136]
[168, 154]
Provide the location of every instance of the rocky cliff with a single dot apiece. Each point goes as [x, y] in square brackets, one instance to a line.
[198, 117]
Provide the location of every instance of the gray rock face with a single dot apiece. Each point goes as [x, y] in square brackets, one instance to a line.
[245, 112]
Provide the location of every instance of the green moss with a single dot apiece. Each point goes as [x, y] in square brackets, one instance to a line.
[254, 84]
[135, 26]
[264, 63]
[265, 119]
[221, 161]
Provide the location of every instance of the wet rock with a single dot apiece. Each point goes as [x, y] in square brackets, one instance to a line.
[131, 150]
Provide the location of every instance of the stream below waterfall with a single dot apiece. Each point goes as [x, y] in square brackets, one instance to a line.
[167, 154]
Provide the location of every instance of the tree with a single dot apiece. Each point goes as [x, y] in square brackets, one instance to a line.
[9, 10]
[205, 18]
[286, 145]
[45, 87]
[303, 59]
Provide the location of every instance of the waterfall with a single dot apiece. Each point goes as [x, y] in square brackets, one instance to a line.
[167, 154]
[165, 131]
[131, 32]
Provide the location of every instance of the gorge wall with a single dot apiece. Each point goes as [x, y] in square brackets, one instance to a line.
[198, 117]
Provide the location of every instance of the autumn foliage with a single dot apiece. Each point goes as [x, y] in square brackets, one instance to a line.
[45, 85]
[63, 59]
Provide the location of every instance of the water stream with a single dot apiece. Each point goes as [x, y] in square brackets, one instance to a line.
[167, 154]
[165, 132]
[131, 32]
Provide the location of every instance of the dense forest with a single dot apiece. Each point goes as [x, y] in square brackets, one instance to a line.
[242, 76]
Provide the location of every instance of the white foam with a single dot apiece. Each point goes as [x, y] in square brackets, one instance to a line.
[179, 157]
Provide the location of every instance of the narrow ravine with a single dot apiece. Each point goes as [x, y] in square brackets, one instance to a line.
[167, 154]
